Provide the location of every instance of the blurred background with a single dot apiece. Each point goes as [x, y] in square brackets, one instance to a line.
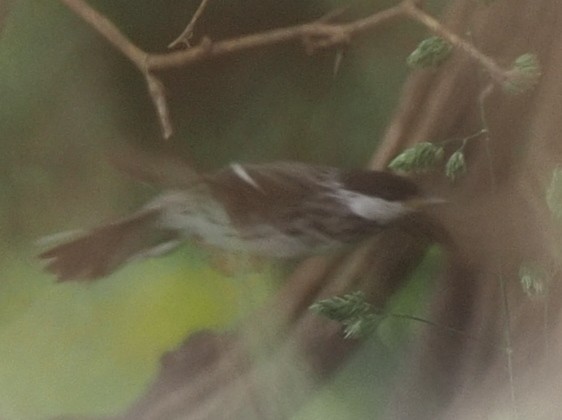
[69, 100]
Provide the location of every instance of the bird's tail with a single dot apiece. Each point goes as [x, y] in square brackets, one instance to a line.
[102, 250]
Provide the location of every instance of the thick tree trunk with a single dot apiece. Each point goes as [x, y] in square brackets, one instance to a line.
[500, 221]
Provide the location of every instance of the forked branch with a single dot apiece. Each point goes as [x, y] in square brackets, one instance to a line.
[319, 34]
[187, 33]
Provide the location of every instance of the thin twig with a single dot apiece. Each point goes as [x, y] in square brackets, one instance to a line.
[322, 34]
[158, 95]
[319, 34]
[546, 330]
[508, 345]
[484, 121]
[333, 14]
[337, 61]
[187, 33]
[486, 92]
[137, 56]
[109, 31]
[446, 328]
[413, 11]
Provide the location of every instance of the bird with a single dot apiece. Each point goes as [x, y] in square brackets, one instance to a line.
[279, 209]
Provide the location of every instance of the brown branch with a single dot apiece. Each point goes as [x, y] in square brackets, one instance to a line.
[136, 55]
[109, 31]
[187, 33]
[158, 95]
[319, 34]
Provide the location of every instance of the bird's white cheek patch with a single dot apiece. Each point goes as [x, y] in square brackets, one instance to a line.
[373, 208]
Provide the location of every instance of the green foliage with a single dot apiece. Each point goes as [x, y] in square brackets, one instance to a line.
[425, 156]
[554, 193]
[341, 308]
[419, 158]
[524, 74]
[534, 279]
[361, 327]
[361, 387]
[66, 348]
[431, 52]
[352, 311]
[456, 166]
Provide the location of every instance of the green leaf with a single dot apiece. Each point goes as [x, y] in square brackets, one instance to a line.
[352, 310]
[554, 193]
[431, 52]
[534, 279]
[456, 166]
[342, 308]
[362, 326]
[524, 74]
[420, 158]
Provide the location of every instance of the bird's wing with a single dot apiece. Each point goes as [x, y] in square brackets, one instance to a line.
[271, 191]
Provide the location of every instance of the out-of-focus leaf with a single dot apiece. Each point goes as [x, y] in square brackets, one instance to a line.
[431, 52]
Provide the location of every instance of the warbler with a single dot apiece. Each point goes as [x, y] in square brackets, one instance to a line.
[280, 210]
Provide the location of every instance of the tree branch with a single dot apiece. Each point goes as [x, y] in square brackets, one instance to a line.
[319, 34]
[109, 31]
[187, 33]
